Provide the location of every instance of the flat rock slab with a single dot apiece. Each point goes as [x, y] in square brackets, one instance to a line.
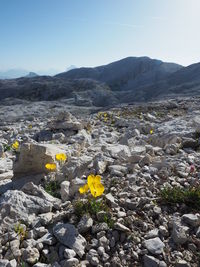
[154, 245]
[68, 235]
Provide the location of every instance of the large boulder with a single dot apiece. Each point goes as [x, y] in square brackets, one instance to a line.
[33, 158]
[23, 205]
[68, 235]
[18, 205]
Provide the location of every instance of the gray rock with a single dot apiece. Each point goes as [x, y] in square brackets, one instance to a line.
[69, 253]
[182, 263]
[6, 175]
[163, 231]
[138, 150]
[120, 152]
[73, 262]
[64, 121]
[198, 232]
[154, 245]
[64, 190]
[12, 263]
[6, 165]
[31, 189]
[150, 261]
[179, 232]
[111, 200]
[4, 263]
[146, 160]
[75, 168]
[68, 235]
[33, 158]
[191, 219]
[99, 227]
[103, 242]
[85, 224]
[31, 255]
[19, 206]
[120, 227]
[48, 239]
[40, 231]
[100, 164]
[122, 169]
[151, 234]
[94, 261]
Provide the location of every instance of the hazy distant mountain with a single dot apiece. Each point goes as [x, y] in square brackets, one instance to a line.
[17, 73]
[13, 73]
[128, 80]
[31, 75]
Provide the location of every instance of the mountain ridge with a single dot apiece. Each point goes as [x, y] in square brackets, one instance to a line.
[131, 79]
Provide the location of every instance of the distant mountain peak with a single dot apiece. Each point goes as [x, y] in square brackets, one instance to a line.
[31, 75]
[71, 67]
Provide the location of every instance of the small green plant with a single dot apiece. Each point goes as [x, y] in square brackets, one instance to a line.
[53, 188]
[6, 147]
[20, 231]
[176, 195]
[108, 219]
[90, 206]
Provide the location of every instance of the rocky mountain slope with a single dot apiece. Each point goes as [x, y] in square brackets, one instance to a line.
[126, 74]
[125, 81]
[145, 154]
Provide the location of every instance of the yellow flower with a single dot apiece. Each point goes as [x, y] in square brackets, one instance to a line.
[84, 189]
[151, 131]
[94, 184]
[105, 114]
[61, 157]
[15, 145]
[30, 126]
[50, 166]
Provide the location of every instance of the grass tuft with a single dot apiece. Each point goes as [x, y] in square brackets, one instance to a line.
[53, 189]
[176, 195]
[92, 207]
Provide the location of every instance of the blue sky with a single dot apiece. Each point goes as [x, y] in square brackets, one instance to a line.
[44, 34]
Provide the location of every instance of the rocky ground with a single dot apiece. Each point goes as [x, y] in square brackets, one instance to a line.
[138, 150]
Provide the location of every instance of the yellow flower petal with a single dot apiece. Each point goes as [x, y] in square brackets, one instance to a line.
[97, 190]
[61, 157]
[15, 145]
[151, 131]
[84, 189]
[50, 166]
[90, 179]
[97, 179]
